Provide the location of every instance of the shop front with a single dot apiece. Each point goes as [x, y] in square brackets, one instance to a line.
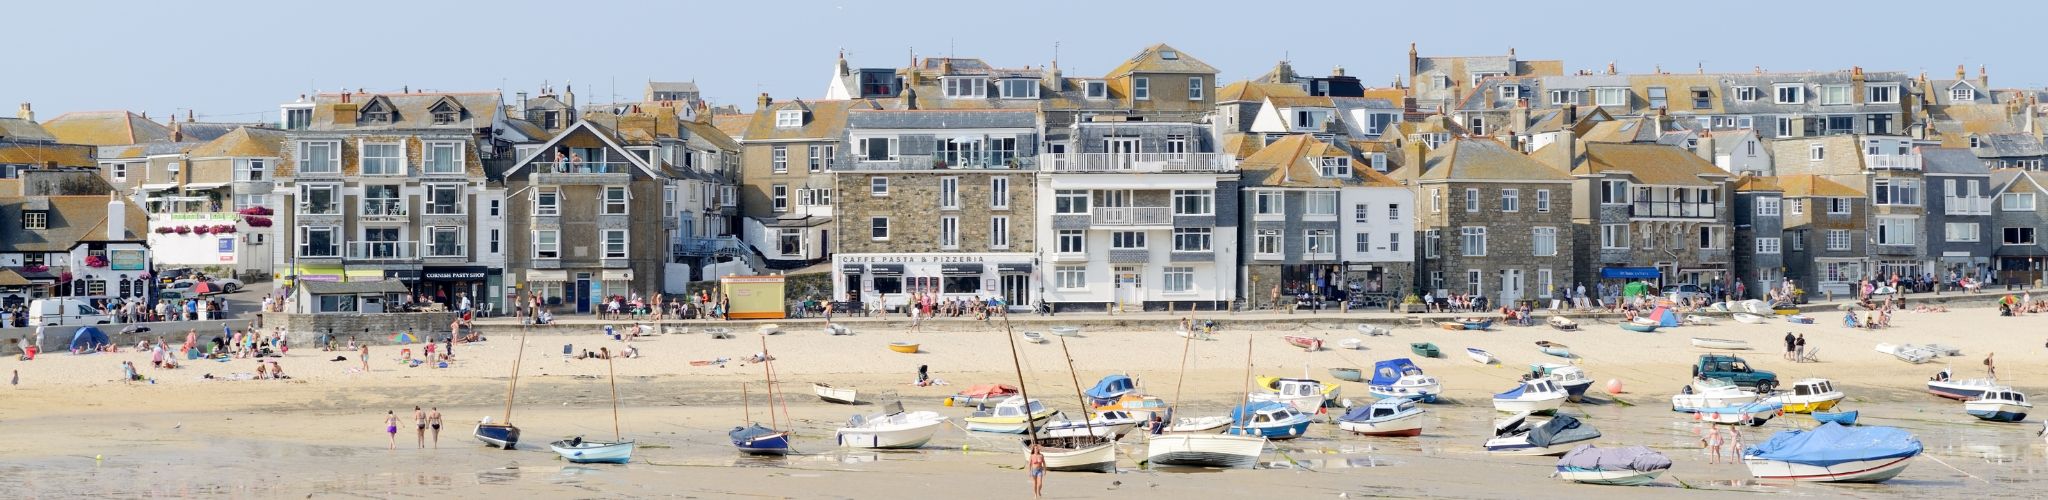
[448, 285]
[889, 280]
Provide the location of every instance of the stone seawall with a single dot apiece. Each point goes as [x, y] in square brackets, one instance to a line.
[58, 338]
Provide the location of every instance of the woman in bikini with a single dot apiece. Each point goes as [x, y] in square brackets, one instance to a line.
[434, 422]
[391, 428]
[419, 421]
[1037, 467]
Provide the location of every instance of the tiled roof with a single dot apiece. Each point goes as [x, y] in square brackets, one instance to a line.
[1155, 59]
[1812, 185]
[825, 120]
[711, 134]
[1302, 102]
[1240, 145]
[1641, 129]
[1757, 183]
[10, 278]
[72, 219]
[41, 154]
[1296, 161]
[1249, 91]
[19, 130]
[106, 128]
[479, 110]
[1652, 164]
[1484, 159]
[733, 125]
[243, 142]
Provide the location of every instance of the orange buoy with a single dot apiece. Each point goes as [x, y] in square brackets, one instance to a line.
[1614, 386]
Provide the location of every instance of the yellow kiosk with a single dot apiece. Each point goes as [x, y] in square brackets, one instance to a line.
[753, 297]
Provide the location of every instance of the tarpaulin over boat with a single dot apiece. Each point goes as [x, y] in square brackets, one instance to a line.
[1111, 387]
[1390, 371]
[1635, 458]
[1561, 429]
[1832, 444]
[982, 390]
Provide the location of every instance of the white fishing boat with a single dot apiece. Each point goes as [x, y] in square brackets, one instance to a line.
[1066, 331]
[1009, 417]
[1809, 395]
[1110, 424]
[891, 429]
[1352, 344]
[1832, 453]
[1481, 356]
[1400, 378]
[1712, 393]
[1078, 454]
[1034, 337]
[1524, 434]
[1205, 450]
[578, 451]
[1386, 417]
[1907, 353]
[1630, 466]
[831, 394]
[1945, 385]
[1198, 425]
[1532, 396]
[1750, 318]
[1305, 395]
[1753, 414]
[1723, 344]
[1572, 379]
[2002, 404]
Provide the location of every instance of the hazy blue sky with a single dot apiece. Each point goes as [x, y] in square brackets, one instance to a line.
[236, 60]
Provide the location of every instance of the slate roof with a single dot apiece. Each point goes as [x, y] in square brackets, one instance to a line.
[1651, 164]
[1296, 161]
[1153, 60]
[19, 130]
[479, 110]
[1814, 185]
[42, 154]
[2008, 145]
[205, 131]
[734, 126]
[1240, 145]
[1250, 91]
[941, 119]
[1758, 183]
[672, 86]
[106, 128]
[1952, 161]
[1484, 159]
[145, 150]
[822, 119]
[72, 219]
[243, 142]
[712, 134]
[1640, 129]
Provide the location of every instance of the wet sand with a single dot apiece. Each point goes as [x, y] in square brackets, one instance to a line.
[321, 433]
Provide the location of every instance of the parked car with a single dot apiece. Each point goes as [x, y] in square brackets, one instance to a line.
[172, 275]
[1683, 293]
[183, 288]
[227, 285]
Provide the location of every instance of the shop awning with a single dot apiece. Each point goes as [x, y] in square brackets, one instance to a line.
[546, 275]
[1020, 268]
[2020, 251]
[958, 268]
[886, 269]
[1629, 273]
[364, 274]
[159, 187]
[202, 186]
[618, 275]
[454, 273]
[852, 268]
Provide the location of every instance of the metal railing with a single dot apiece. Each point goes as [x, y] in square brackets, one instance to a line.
[319, 251]
[1681, 209]
[705, 246]
[444, 209]
[1892, 162]
[446, 249]
[1966, 205]
[1109, 216]
[580, 167]
[382, 250]
[320, 208]
[1139, 162]
[384, 207]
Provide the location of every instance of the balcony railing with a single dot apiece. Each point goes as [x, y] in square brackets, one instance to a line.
[1967, 205]
[319, 251]
[383, 250]
[1892, 162]
[1677, 209]
[384, 207]
[706, 246]
[447, 209]
[1133, 216]
[1139, 162]
[944, 162]
[320, 208]
[447, 250]
[580, 167]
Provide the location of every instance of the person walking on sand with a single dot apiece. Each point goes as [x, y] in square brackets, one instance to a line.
[1990, 370]
[1711, 440]
[1790, 344]
[419, 422]
[391, 428]
[434, 423]
[1037, 467]
[365, 354]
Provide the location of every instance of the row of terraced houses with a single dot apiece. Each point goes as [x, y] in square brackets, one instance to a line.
[1153, 185]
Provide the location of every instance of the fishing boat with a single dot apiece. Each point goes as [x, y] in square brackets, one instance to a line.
[1010, 416]
[1066, 331]
[1204, 450]
[1307, 343]
[752, 438]
[1352, 344]
[1386, 417]
[1481, 356]
[1554, 349]
[1476, 323]
[1141, 406]
[504, 435]
[1572, 379]
[1531, 396]
[1723, 344]
[1907, 353]
[1562, 323]
[1752, 414]
[1754, 319]
[1110, 424]
[1269, 419]
[1638, 327]
[1348, 374]
[1630, 466]
[618, 451]
[1799, 319]
[2002, 404]
[1400, 378]
[1809, 395]
[1945, 385]
[1839, 417]
[1832, 453]
[838, 395]
[769, 329]
[1110, 389]
[1712, 393]
[903, 347]
[1034, 337]
[1526, 434]
[891, 429]
[1078, 453]
[1198, 425]
[982, 395]
[1306, 395]
[1424, 349]
[1090, 451]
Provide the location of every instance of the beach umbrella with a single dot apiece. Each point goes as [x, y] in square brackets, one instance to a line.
[203, 288]
[403, 338]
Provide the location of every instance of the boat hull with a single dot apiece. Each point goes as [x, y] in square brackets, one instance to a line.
[1813, 406]
[1608, 477]
[1007, 425]
[1396, 426]
[891, 437]
[1305, 404]
[1843, 418]
[1722, 344]
[1096, 458]
[903, 348]
[1575, 389]
[1518, 446]
[594, 453]
[1861, 471]
[1426, 395]
[769, 444]
[1205, 450]
[501, 436]
[1347, 374]
[835, 395]
[1954, 391]
[1528, 405]
[1275, 431]
[1639, 327]
[1556, 351]
[1481, 357]
[1205, 425]
[1996, 412]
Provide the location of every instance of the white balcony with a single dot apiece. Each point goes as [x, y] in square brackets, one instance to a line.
[438, 250]
[384, 208]
[383, 250]
[1967, 205]
[1892, 162]
[1133, 216]
[1139, 162]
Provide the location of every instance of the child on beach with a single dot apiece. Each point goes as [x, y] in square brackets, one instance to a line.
[391, 428]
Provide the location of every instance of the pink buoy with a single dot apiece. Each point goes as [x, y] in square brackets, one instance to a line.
[1614, 386]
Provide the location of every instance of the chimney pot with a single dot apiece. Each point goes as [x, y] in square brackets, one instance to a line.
[27, 113]
[188, 116]
[764, 100]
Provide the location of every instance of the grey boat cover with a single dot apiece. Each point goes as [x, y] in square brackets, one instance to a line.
[1562, 429]
[1635, 458]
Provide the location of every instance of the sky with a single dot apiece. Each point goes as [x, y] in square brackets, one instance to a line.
[236, 60]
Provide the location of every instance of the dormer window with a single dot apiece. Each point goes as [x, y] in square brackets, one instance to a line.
[35, 220]
[1020, 88]
[1973, 141]
[446, 112]
[957, 86]
[1962, 94]
[1510, 92]
[376, 112]
[1379, 162]
[789, 118]
[1338, 167]
[1097, 89]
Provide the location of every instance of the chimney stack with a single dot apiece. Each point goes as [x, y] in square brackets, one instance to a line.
[1960, 74]
[522, 101]
[1337, 71]
[1983, 79]
[764, 101]
[344, 97]
[188, 116]
[1610, 67]
[117, 217]
[26, 114]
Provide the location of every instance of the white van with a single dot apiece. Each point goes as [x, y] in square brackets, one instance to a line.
[66, 311]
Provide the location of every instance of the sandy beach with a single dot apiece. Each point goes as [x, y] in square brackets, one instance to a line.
[79, 431]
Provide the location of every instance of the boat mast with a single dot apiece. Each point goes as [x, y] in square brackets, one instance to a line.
[1010, 338]
[1247, 378]
[1086, 422]
[746, 403]
[1186, 344]
[768, 368]
[512, 390]
[613, 376]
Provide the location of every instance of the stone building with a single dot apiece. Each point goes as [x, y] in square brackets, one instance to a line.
[1317, 220]
[1647, 208]
[1960, 239]
[590, 218]
[1890, 169]
[1825, 222]
[1759, 215]
[2022, 213]
[1495, 222]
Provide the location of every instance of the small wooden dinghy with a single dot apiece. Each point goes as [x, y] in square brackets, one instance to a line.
[1451, 325]
[1066, 331]
[770, 329]
[838, 395]
[1306, 343]
[1728, 344]
[1352, 344]
[1424, 349]
[1481, 356]
[1347, 374]
[903, 347]
[1373, 331]
[1554, 349]
[1034, 337]
[1638, 327]
[1754, 319]
[1562, 323]
[719, 332]
[1695, 319]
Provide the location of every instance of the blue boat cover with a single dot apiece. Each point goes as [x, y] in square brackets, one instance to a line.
[1516, 393]
[88, 338]
[1364, 413]
[1245, 411]
[1390, 371]
[751, 431]
[1111, 387]
[1832, 444]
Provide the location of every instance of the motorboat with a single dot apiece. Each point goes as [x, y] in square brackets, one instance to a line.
[1526, 434]
[831, 394]
[1481, 356]
[1305, 395]
[1808, 396]
[1110, 424]
[2002, 404]
[1722, 344]
[1204, 450]
[1139, 406]
[1110, 389]
[1532, 396]
[1268, 419]
[1712, 393]
[891, 429]
[1012, 416]
[578, 451]
[1630, 466]
[1907, 353]
[1197, 425]
[1386, 417]
[1833, 453]
[1752, 414]
[982, 395]
[1945, 385]
[1572, 379]
[1562, 323]
[1754, 319]
[1400, 378]
[1554, 349]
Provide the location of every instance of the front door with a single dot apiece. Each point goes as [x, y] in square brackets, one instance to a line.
[1510, 286]
[1130, 287]
[1016, 289]
[579, 294]
[1123, 151]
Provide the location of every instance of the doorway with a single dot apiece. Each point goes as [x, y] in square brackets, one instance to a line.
[580, 294]
[1129, 286]
[1510, 286]
[1016, 289]
[1123, 151]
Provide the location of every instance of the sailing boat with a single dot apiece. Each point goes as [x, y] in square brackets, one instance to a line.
[1087, 452]
[504, 435]
[618, 451]
[753, 439]
[1207, 449]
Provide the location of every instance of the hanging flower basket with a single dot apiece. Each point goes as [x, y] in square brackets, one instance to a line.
[256, 210]
[64, 277]
[36, 268]
[202, 230]
[224, 229]
[257, 221]
[183, 230]
[95, 261]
